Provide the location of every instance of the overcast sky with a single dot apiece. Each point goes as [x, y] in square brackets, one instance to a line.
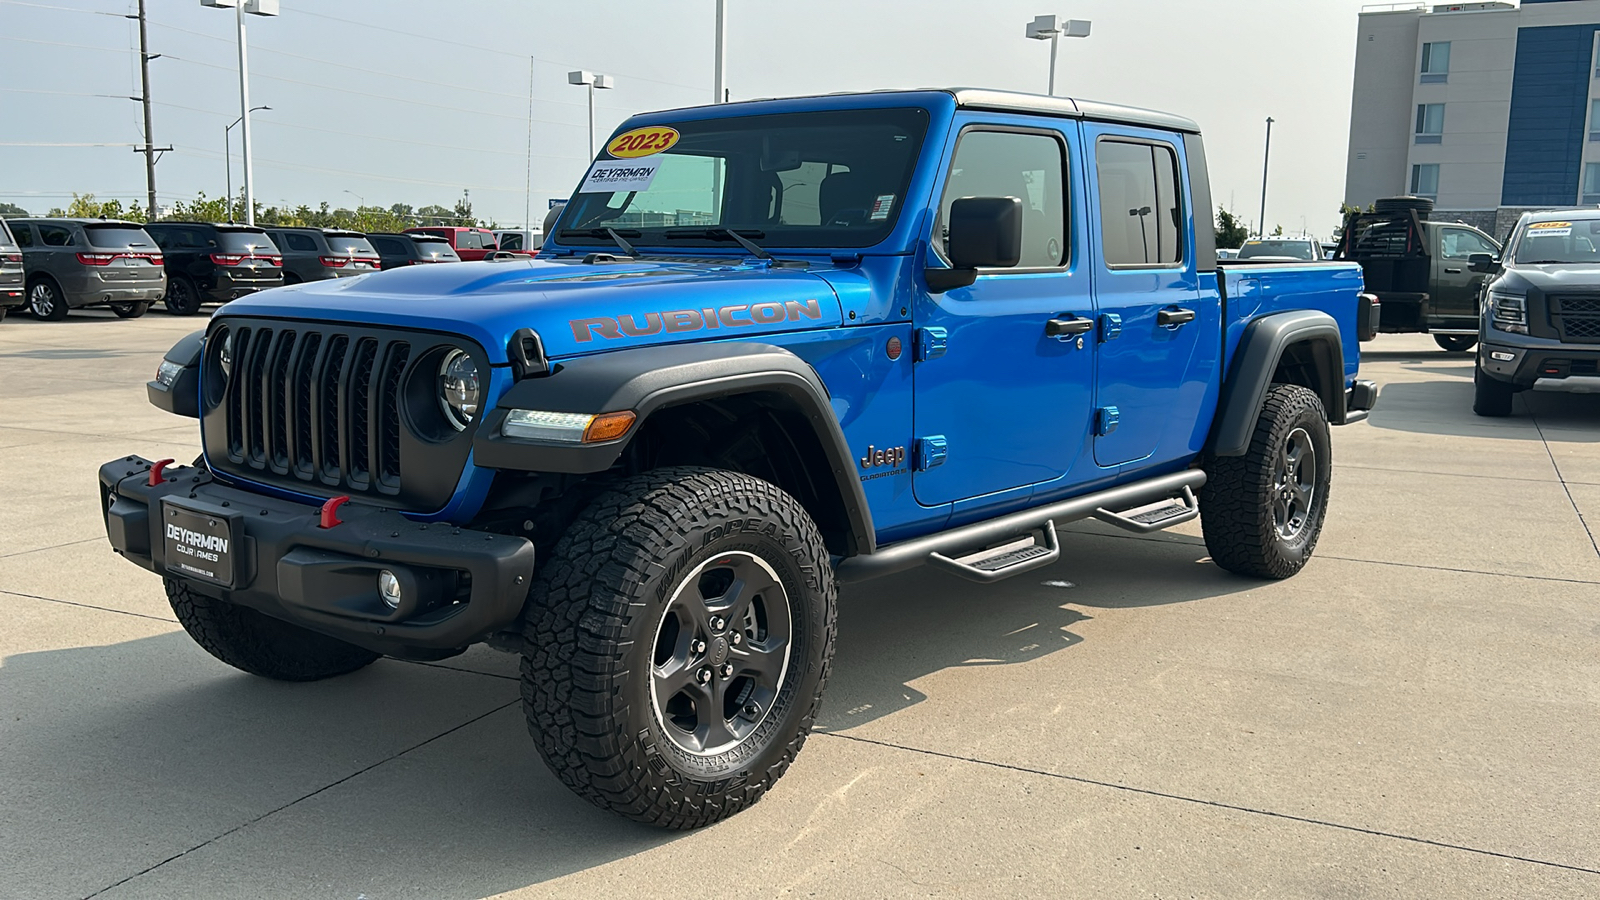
[411, 101]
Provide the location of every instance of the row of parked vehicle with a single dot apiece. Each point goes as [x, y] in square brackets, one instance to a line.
[51, 266]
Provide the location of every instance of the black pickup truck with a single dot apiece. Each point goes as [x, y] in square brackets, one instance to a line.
[1420, 270]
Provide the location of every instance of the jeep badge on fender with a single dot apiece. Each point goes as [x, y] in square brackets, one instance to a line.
[669, 401]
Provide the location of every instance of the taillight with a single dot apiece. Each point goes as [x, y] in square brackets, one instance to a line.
[154, 259]
[272, 260]
[227, 259]
[13, 257]
[334, 262]
[97, 259]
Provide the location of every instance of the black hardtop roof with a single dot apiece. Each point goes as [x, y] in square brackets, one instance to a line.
[220, 226]
[336, 232]
[1017, 101]
[77, 220]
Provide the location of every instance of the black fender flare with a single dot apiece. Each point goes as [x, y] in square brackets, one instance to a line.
[1264, 343]
[183, 396]
[648, 379]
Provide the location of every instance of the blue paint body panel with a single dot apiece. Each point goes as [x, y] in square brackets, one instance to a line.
[1546, 135]
[1014, 407]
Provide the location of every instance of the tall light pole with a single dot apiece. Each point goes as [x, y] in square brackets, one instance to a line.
[1266, 160]
[593, 82]
[227, 156]
[255, 8]
[720, 79]
[1047, 28]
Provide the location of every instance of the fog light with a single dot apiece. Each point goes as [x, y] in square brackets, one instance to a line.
[389, 588]
[1502, 356]
[167, 373]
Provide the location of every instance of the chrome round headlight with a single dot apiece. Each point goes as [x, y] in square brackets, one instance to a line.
[225, 354]
[459, 392]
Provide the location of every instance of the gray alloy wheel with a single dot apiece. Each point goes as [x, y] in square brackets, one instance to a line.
[46, 302]
[1295, 484]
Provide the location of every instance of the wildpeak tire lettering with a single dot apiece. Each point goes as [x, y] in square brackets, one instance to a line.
[677, 321]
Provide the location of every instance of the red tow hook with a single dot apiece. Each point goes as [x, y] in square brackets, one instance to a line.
[157, 469]
[330, 511]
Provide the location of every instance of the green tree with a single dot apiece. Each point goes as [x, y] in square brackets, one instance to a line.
[1231, 234]
[11, 211]
[1277, 232]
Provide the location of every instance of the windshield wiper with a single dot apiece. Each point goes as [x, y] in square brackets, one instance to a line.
[610, 233]
[720, 233]
[1543, 262]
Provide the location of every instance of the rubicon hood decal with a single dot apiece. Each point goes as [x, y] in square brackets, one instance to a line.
[677, 321]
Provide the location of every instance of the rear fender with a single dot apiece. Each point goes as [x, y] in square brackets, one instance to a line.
[1307, 336]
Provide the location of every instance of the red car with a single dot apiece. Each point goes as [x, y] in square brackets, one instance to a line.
[469, 243]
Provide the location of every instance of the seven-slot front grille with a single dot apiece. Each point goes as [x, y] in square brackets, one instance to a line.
[1576, 318]
[323, 409]
[319, 407]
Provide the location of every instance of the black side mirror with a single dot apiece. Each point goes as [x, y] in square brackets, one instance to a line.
[984, 232]
[1483, 262]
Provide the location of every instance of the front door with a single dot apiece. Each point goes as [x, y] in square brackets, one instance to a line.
[1455, 285]
[1008, 404]
[1154, 373]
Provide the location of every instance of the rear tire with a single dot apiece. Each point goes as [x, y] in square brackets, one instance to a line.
[1455, 343]
[130, 310]
[259, 644]
[45, 301]
[1491, 397]
[677, 643]
[183, 298]
[1262, 512]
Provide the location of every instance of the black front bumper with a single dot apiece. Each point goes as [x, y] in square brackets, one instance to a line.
[1542, 366]
[459, 585]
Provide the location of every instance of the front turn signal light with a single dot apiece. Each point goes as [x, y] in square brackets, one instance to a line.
[608, 427]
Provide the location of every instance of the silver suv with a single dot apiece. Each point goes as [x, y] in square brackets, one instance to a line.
[11, 291]
[72, 263]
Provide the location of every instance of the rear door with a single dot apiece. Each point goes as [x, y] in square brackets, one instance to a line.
[58, 256]
[1006, 403]
[1160, 341]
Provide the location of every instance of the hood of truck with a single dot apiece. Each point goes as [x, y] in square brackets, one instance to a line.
[575, 307]
[1551, 277]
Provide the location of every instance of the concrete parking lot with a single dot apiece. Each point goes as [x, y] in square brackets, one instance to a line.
[1416, 714]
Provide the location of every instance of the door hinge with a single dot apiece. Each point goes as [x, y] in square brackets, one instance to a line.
[1110, 327]
[1106, 419]
[931, 343]
[931, 452]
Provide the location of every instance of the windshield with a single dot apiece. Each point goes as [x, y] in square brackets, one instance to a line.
[119, 237]
[1289, 249]
[1569, 241]
[350, 245]
[819, 179]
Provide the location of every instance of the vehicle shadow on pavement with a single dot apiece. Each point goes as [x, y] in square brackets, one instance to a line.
[1445, 408]
[401, 779]
[897, 630]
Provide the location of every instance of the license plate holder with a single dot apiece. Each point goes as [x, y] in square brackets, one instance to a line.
[200, 544]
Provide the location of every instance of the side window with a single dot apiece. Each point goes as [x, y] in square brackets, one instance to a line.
[1015, 164]
[301, 243]
[1140, 209]
[469, 240]
[55, 236]
[511, 242]
[488, 239]
[1461, 244]
[159, 235]
[23, 234]
[387, 246]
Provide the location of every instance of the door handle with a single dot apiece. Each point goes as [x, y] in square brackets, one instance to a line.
[1174, 317]
[1452, 271]
[1068, 327]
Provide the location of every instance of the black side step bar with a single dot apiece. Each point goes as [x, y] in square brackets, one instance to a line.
[1157, 517]
[916, 551]
[996, 563]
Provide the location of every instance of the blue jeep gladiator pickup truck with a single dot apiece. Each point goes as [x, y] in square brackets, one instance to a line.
[769, 347]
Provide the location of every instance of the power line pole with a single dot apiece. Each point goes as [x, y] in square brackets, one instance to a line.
[1266, 160]
[720, 78]
[149, 149]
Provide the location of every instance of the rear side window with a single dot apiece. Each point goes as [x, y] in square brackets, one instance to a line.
[23, 235]
[1015, 164]
[1140, 209]
[119, 237]
[55, 236]
[298, 242]
[350, 245]
[389, 246]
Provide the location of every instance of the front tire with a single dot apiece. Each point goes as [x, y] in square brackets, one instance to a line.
[1455, 343]
[130, 310]
[259, 644]
[45, 301]
[1262, 512]
[677, 645]
[183, 298]
[1491, 397]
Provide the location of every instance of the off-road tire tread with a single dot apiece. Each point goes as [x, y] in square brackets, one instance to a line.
[1238, 530]
[259, 644]
[576, 631]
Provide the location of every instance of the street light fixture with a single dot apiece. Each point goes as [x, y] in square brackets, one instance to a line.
[227, 157]
[255, 8]
[593, 82]
[359, 199]
[1048, 28]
